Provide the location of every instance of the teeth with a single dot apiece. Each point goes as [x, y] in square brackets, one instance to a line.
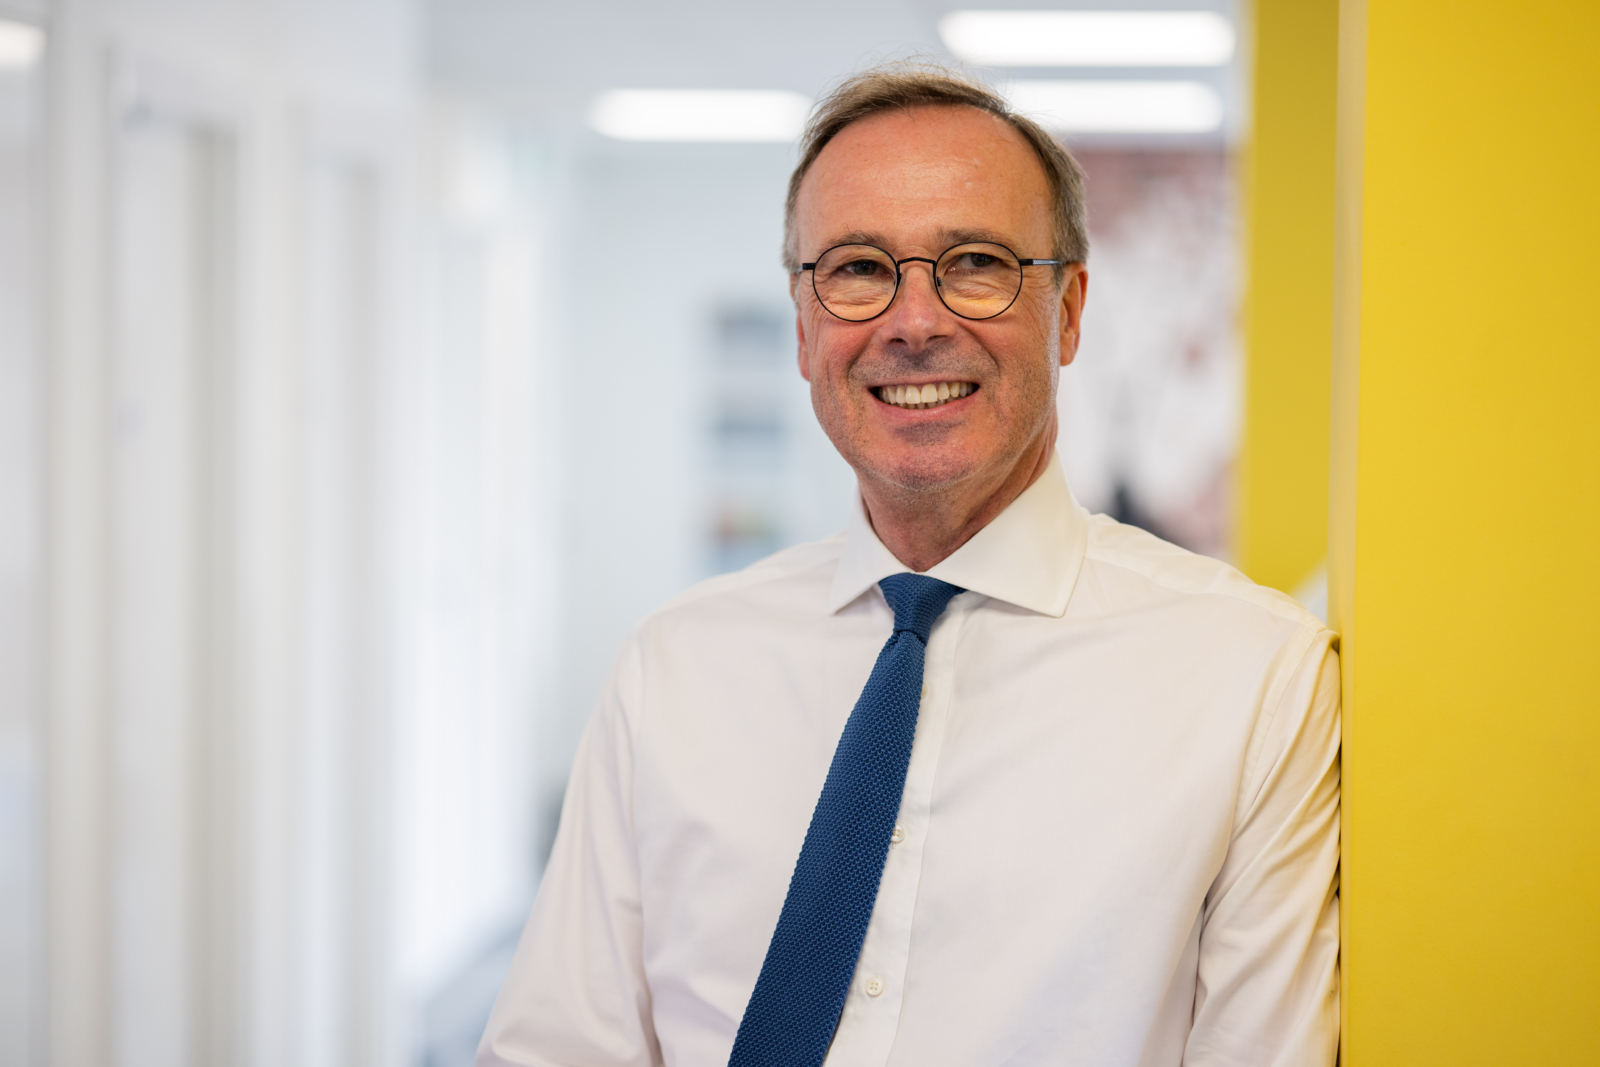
[925, 396]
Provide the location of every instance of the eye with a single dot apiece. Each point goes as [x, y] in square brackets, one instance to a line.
[863, 268]
[974, 261]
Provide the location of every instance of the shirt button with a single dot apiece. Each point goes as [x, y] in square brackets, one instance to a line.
[898, 836]
[874, 986]
[924, 692]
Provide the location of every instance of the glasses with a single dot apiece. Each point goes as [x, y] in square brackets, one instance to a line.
[977, 280]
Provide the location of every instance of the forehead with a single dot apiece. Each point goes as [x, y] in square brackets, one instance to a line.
[911, 174]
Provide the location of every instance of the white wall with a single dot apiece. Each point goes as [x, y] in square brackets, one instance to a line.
[230, 261]
[482, 479]
[21, 539]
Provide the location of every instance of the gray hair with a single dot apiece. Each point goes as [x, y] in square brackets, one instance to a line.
[912, 84]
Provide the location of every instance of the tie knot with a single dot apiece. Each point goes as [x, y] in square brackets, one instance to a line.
[917, 601]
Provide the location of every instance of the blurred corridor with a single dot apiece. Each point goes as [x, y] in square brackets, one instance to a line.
[366, 371]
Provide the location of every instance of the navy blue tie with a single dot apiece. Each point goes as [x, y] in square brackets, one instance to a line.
[795, 1008]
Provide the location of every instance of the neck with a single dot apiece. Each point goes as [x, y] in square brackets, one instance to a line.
[923, 528]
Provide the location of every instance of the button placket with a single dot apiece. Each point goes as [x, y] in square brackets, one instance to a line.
[870, 1020]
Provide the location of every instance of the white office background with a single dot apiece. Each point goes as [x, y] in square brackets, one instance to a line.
[355, 399]
[21, 547]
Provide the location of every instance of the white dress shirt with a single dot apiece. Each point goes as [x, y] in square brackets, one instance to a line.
[1118, 843]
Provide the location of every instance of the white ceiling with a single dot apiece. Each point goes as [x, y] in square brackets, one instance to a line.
[547, 60]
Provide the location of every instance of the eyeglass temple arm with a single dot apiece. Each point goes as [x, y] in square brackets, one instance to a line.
[1021, 263]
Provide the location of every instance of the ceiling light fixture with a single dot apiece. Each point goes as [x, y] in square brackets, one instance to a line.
[727, 115]
[1089, 38]
[20, 45]
[1119, 106]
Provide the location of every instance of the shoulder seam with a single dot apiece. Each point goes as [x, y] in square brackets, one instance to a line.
[1291, 612]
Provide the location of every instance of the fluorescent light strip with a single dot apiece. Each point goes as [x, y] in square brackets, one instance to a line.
[1089, 38]
[1119, 106]
[20, 45]
[705, 115]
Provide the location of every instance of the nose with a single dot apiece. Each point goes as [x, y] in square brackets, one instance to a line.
[917, 316]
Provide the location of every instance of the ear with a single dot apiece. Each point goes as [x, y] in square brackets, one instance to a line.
[1074, 292]
[803, 353]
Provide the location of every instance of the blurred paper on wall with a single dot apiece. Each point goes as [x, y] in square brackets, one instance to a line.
[1150, 408]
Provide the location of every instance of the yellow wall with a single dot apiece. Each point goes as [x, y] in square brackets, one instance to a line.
[1282, 522]
[1465, 571]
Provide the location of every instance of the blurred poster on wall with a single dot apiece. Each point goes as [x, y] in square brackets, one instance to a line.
[1150, 408]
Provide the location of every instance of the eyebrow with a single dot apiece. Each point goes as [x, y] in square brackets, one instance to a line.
[949, 237]
[963, 237]
[855, 237]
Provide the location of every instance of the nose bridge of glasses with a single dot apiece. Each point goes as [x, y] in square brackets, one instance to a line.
[933, 268]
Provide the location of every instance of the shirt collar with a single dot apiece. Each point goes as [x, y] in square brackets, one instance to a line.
[1029, 555]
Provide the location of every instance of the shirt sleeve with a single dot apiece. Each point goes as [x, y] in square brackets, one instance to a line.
[576, 993]
[1268, 990]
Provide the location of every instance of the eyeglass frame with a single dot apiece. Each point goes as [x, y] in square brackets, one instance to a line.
[933, 265]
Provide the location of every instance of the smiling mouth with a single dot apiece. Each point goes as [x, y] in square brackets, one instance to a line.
[917, 397]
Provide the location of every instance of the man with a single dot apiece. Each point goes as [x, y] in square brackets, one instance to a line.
[984, 779]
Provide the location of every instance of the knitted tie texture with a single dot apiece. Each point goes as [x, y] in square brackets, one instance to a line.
[795, 1008]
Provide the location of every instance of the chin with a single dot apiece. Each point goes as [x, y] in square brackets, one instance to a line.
[920, 472]
[926, 459]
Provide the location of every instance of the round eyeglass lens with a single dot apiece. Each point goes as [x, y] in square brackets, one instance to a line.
[855, 282]
[978, 281]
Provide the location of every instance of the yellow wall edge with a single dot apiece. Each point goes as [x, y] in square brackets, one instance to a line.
[1282, 514]
[1344, 435]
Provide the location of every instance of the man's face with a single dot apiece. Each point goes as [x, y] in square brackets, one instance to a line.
[914, 183]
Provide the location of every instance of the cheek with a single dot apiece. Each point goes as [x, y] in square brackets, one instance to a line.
[832, 354]
[1026, 357]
